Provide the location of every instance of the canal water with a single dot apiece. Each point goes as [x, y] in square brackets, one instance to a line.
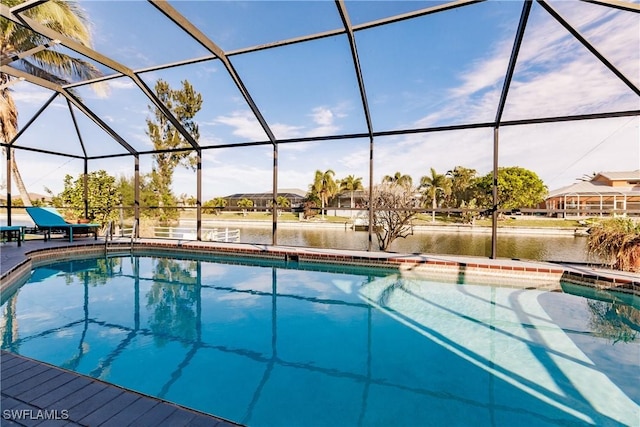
[517, 246]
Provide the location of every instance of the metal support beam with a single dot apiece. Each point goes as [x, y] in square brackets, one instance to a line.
[575, 33]
[26, 5]
[494, 192]
[207, 43]
[371, 216]
[416, 13]
[165, 111]
[85, 188]
[98, 57]
[72, 98]
[346, 21]
[274, 200]
[136, 194]
[11, 58]
[199, 196]
[75, 125]
[33, 119]
[8, 153]
[524, 16]
[617, 4]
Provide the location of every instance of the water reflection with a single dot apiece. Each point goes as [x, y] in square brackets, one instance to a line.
[173, 300]
[277, 343]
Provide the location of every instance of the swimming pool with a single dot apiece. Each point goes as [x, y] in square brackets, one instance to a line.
[271, 343]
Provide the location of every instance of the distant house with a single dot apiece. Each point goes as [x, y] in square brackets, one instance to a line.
[262, 201]
[616, 193]
[360, 199]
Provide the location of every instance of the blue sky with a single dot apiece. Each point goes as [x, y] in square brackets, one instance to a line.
[441, 69]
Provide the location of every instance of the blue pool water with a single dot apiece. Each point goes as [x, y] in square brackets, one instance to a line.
[272, 344]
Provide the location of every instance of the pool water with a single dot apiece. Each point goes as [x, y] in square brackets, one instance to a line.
[267, 343]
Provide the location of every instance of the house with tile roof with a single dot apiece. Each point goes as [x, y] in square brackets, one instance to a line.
[607, 193]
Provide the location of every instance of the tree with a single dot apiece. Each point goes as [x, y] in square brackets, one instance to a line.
[126, 187]
[398, 179]
[324, 186]
[463, 187]
[282, 202]
[67, 18]
[215, 203]
[392, 206]
[517, 188]
[435, 188]
[172, 300]
[184, 104]
[244, 204]
[351, 184]
[103, 197]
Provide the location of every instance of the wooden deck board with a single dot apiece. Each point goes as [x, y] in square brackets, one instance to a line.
[38, 394]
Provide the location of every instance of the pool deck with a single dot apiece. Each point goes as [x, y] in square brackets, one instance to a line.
[35, 393]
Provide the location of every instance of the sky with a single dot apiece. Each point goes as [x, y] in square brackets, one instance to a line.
[437, 70]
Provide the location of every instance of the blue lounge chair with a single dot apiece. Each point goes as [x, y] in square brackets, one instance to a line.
[49, 219]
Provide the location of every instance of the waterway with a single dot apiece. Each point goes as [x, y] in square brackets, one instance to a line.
[518, 246]
[559, 248]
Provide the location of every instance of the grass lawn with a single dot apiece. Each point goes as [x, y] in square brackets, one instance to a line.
[260, 216]
[421, 219]
[520, 221]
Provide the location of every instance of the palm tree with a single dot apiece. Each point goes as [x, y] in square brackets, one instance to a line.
[434, 186]
[398, 179]
[351, 184]
[282, 202]
[68, 19]
[244, 204]
[324, 186]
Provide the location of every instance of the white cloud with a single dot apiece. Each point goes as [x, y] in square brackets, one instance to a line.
[245, 125]
[555, 74]
[123, 83]
[324, 118]
[24, 95]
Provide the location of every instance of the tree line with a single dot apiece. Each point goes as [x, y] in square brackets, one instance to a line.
[460, 187]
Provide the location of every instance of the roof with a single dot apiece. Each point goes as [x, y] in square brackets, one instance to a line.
[589, 187]
[289, 193]
[621, 176]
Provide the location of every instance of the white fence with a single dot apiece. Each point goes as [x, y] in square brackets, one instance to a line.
[189, 233]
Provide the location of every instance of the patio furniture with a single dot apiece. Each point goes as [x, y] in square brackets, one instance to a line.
[49, 219]
[9, 232]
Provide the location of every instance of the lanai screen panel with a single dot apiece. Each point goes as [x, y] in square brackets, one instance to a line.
[224, 117]
[288, 71]
[238, 25]
[437, 70]
[150, 38]
[305, 90]
[556, 75]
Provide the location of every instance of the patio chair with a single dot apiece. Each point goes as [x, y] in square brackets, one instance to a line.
[49, 219]
[10, 232]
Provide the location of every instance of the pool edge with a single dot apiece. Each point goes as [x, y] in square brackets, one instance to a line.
[502, 272]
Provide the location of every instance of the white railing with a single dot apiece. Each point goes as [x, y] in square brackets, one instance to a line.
[188, 233]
